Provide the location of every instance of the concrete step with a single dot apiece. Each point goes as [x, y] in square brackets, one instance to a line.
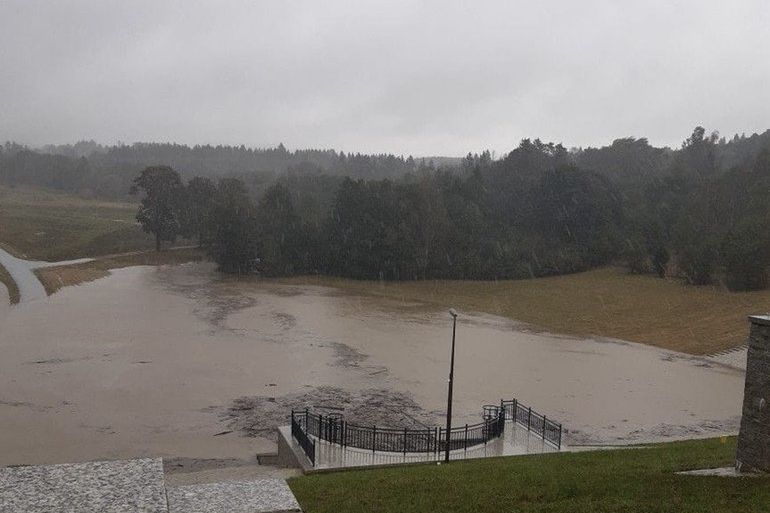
[238, 473]
[267, 495]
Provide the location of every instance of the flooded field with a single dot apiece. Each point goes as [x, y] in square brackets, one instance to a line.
[179, 362]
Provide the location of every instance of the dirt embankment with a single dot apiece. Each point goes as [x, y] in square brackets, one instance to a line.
[54, 278]
[261, 415]
[10, 284]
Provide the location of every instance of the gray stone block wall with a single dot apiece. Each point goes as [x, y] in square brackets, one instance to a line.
[753, 452]
[288, 450]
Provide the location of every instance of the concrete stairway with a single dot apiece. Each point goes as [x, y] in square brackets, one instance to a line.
[140, 486]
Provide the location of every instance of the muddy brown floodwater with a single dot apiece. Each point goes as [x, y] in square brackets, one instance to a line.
[179, 362]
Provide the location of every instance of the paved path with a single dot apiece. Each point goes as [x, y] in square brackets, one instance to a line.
[20, 270]
[133, 486]
[30, 287]
[123, 486]
[255, 496]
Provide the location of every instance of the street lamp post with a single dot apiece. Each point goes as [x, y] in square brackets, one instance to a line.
[453, 313]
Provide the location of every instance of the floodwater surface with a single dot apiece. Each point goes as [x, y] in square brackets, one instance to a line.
[180, 362]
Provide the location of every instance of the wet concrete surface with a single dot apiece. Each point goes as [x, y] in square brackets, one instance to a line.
[180, 362]
[264, 495]
[516, 440]
[129, 486]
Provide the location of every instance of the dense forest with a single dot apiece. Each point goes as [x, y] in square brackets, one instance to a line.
[698, 212]
[107, 171]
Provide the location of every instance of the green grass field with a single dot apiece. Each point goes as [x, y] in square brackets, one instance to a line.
[605, 302]
[46, 225]
[628, 481]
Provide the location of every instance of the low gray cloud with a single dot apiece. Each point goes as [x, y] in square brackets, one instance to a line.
[419, 78]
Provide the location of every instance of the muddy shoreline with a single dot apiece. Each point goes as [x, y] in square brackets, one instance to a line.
[176, 361]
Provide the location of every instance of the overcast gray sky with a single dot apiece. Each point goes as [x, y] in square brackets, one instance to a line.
[422, 78]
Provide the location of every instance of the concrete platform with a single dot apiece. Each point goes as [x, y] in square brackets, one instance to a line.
[255, 496]
[123, 486]
[516, 440]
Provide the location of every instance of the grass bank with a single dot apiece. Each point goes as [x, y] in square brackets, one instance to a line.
[10, 284]
[631, 480]
[54, 278]
[39, 224]
[605, 302]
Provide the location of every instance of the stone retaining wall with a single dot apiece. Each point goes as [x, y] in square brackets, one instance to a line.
[753, 452]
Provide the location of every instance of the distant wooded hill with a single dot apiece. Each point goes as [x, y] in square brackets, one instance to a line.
[699, 212]
[108, 170]
[99, 170]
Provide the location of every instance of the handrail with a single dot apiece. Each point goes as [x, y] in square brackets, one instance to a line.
[523, 415]
[307, 444]
[335, 430]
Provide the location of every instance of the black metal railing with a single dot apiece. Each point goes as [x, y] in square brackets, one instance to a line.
[468, 436]
[334, 429]
[523, 415]
[301, 435]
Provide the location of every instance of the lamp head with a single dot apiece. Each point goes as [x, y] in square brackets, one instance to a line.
[453, 312]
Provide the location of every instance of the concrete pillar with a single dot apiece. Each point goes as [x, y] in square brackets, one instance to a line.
[753, 454]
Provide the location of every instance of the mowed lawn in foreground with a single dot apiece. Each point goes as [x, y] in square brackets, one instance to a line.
[605, 302]
[628, 481]
[39, 224]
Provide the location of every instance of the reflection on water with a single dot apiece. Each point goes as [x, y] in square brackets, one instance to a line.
[149, 360]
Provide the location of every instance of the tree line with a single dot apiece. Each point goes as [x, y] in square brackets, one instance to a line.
[538, 211]
[698, 213]
[106, 171]
[92, 169]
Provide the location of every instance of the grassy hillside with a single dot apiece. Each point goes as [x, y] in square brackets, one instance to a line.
[45, 225]
[54, 278]
[628, 481]
[607, 302]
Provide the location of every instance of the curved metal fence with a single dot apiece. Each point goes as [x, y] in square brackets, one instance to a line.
[334, 429]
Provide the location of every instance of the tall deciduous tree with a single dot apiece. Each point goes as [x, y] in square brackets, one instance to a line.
[158, 212]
